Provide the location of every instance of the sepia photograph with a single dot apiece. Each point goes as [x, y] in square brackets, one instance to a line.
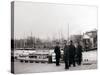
[50, 37]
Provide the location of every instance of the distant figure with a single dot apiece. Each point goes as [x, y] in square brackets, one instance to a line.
[58, 53]
[71, 54]
[66, 55]
[79, 54]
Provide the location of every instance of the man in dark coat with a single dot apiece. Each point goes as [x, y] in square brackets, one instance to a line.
[79, 54]
[66, 55]
[71, 54]
[58, 53]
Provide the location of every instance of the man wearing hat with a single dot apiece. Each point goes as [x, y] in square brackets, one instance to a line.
[72, 54]
[79, 53]
[66, 55]
[58, 53]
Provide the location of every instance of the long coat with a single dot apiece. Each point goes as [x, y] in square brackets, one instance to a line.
[72, 51]
[66, 53]
[79, 52]
[57, 52]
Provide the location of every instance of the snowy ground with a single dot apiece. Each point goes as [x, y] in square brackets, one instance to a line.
[39, 67]
[45, 67]
[91, 55]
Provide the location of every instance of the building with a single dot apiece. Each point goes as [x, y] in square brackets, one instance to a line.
[90, 39]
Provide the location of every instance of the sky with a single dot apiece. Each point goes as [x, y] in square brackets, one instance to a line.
[48, 20]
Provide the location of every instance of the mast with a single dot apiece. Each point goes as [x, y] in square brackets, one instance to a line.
[24, 40]
[31, 40]
[68, 33]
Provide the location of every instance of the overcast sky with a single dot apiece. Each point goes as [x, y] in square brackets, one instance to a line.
[51, 20]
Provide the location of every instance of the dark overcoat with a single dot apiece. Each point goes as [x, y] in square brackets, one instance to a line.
[66, 53]
[57, 52]
[72, 51]
[79, 52]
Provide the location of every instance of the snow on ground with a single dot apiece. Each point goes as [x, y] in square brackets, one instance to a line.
[45, 67]
[91, 55]
[40, 67]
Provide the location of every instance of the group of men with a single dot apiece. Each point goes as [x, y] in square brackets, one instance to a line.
[72, 54]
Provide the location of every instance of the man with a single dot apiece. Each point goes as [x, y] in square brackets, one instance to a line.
[79, 54]
[66, 55]
[71, 54]
[58, 54]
